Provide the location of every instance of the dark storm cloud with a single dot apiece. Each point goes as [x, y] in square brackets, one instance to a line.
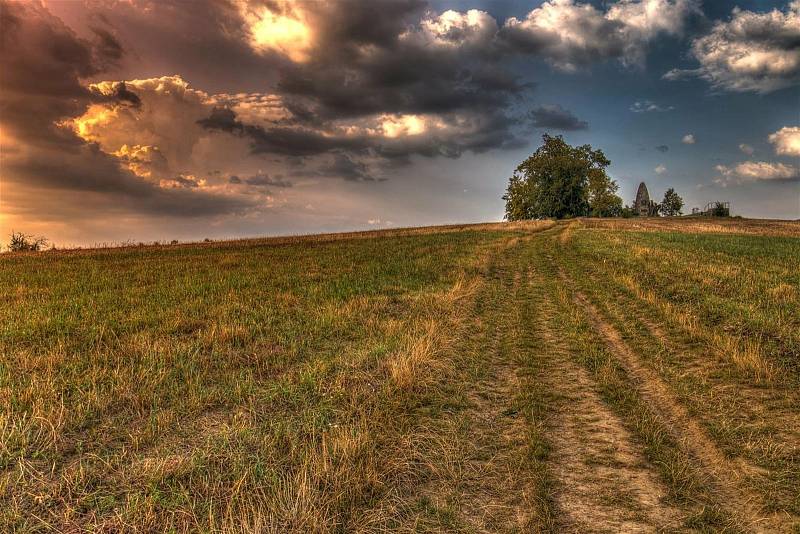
[183, 181]
[107, 45]
[557, 118]
[360, 23]
[43, 61]
[344, 167]
[223, 119]
[405, 78]
[91, 171]
[298, 141]
[205, 41]
[482, 132]
[122, 94]
[398, 73]
[264, 180]
[662, 148]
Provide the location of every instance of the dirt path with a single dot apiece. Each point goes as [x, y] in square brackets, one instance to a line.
[494, 497]
[604, 483]
[482, 482]
[726, 476]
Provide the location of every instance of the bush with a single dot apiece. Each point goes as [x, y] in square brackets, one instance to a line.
[26, 243]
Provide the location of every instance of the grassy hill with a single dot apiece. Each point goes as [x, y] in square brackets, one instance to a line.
[607, 374]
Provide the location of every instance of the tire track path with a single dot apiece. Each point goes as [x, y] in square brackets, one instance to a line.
[603, 480]
[726, 476]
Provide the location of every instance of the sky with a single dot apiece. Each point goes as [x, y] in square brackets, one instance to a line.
[139, 120]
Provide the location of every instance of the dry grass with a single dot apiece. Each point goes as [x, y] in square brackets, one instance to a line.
[404, 380]
[701, 311]
[309, 239]
[701, 225]
[189, 388]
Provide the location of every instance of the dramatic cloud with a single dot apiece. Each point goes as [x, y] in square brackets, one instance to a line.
[236, 110]
[344, 167]
[43, 62]
[556, 118]
[644, 106]
[753, 171]
[688, 139]
[474, 28]
[757, 52]
[786, 141]
[571, 35]
[278, 28]
[266, 180]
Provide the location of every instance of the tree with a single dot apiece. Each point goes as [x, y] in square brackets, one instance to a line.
[672, 203]
[603, 198]
[26, 243]
[559, 180]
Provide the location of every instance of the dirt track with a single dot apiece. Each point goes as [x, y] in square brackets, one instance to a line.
[598, 475]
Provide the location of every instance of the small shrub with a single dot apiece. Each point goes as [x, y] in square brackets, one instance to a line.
[26, 243]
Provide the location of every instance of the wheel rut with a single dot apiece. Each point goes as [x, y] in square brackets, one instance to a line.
[484, 479]
[727, 477]
[603, 480]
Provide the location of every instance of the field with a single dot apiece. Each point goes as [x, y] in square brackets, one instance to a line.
[588, 375]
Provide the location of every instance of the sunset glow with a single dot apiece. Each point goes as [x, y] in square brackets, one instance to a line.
[249, 118]
[280, 33]
[396, 126]
[96, 115]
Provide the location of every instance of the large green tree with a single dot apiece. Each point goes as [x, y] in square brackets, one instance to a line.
[672, 203]
[560, 180]
[603, 198]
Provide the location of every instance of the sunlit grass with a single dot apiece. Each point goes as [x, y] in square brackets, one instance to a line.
[335, 383]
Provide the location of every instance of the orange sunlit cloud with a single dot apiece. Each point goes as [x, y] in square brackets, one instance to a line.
[287, 34]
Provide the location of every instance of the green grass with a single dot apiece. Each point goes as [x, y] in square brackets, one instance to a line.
[171, 385]
[339, 383]
[729, 313]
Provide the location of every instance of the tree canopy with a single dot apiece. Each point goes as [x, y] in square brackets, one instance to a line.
[559, 180]
[672, 203]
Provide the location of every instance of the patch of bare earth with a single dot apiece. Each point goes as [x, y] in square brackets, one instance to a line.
[603, 481]
[727, 476]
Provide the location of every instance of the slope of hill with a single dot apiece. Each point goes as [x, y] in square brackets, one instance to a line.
[584, 375]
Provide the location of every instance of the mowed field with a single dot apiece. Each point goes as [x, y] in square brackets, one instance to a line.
[584, 376]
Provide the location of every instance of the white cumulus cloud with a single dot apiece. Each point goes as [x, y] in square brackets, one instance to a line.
[786, 141]
[660, 169]
[688, 139]
[453, 28]
[754, 171]
[571, 35]
[750, 52]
